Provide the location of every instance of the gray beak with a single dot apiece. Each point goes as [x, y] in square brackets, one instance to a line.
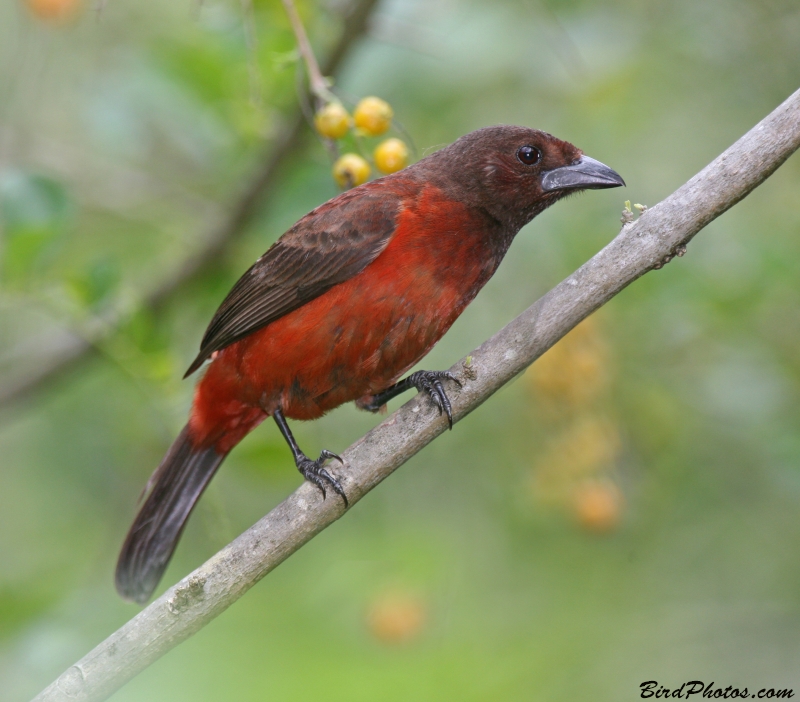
[584, 174]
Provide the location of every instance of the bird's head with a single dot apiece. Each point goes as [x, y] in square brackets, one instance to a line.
[515, 172]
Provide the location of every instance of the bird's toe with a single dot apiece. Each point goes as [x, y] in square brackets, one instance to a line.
[316, 473]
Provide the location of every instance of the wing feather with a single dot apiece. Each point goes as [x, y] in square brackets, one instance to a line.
[329, 245]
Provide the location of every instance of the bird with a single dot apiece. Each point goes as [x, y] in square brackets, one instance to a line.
[346, 302]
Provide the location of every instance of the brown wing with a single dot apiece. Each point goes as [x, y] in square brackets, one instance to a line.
[328, 246]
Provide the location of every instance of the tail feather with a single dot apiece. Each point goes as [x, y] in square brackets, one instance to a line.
[174, 489]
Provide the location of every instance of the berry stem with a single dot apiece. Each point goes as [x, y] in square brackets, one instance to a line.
[318, 83]
[359, 142]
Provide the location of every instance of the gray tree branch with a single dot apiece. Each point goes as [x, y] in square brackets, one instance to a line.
[74, 350]
[641, 246]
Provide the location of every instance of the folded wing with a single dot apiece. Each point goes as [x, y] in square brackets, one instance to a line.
[328, 246]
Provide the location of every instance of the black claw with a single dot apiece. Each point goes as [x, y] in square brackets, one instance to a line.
[430, 382]
[335, 484]
[436, 395]
[330, 454]
[442, 401]
[315, 472]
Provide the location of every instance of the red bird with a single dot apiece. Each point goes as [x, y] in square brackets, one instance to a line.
[343, 304]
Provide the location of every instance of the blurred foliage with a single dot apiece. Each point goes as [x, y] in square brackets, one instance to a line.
[33, 211]
[626, 511]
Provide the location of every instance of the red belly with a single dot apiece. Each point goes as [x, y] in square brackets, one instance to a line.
[356, 339]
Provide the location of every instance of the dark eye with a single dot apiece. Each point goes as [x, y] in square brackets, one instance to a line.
[529, 155]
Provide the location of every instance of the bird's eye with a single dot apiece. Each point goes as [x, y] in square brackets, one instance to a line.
[529, 155]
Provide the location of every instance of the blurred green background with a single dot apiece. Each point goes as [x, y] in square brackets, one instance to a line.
[628, 510]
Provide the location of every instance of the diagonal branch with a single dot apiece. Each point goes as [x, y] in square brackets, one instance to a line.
[641, 246]
[74, 350]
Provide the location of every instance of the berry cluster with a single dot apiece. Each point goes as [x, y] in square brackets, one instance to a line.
[372, 117]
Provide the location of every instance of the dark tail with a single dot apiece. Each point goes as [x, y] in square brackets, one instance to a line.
[174, 489]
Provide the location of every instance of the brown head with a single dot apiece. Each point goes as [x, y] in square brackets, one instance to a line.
[514, 173]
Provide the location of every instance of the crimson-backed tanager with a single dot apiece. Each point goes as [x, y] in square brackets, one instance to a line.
[343, 304]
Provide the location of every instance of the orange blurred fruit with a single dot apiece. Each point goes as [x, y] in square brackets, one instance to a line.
[585, 449]
[575, 371]
[396, 618]
[53, 10]
[598, 506]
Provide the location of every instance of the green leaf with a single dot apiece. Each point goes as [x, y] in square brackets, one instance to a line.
[34, 211]
[95, 285]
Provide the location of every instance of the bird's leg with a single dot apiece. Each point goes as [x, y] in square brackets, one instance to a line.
[429, 382]
[313, 471]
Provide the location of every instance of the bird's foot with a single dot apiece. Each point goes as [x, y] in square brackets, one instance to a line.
[315, 472]
[430, 383]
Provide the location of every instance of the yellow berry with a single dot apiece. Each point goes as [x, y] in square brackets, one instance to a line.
[391, 155]
[350, 170]
[332, 121]
[373, 115]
